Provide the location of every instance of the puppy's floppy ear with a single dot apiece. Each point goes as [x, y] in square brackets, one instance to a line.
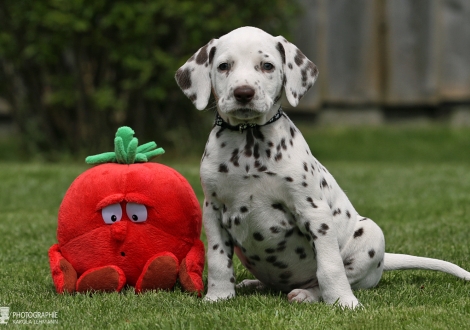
[194, 76]
[300, 72]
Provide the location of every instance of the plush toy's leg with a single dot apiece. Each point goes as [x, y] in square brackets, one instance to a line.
[106, 278]
[191, 268]
[159, 273]
[63, 274]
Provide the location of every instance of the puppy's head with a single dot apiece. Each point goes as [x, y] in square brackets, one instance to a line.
[246, 70]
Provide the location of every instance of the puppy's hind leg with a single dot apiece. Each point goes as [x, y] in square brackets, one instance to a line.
[255, 284]
[363, 255]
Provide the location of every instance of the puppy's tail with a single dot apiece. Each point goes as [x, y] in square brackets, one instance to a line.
[394, 261]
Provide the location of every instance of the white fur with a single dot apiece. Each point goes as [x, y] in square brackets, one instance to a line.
[266, 197]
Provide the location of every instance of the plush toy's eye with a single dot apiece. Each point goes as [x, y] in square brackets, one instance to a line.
[112, 213]
[136, 212]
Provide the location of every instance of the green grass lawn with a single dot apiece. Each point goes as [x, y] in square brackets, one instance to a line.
[415, 183]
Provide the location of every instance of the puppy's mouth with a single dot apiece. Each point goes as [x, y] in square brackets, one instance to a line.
[244, 113]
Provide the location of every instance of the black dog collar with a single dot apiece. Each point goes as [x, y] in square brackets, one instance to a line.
[220, 122]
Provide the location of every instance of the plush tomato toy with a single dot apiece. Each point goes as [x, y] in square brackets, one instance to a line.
[128, 222]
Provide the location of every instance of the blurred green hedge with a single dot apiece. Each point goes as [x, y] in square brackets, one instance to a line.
[74, 71]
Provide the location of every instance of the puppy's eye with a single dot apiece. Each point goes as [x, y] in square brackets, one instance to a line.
[268, 66]
[223, 67]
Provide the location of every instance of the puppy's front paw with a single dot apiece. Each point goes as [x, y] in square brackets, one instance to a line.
[212, 296]
[348, 302]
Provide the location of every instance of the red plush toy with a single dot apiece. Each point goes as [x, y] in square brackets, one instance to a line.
[128, 222]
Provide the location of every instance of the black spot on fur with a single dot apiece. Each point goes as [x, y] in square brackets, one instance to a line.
[258, 134]
[271, 259]
[371, 253]
[299, 58]
[348, 214]
[223, 168]
[281, 50]
[236, 221]
[285, 275]
[305, 167]
[262, 168]
[232, 279]
[307, 227]
[183, 77]
[275, 229]
[358, 232]
[270, 250]
[211, 54]
[379, 264]
[304, 184]
[219, 132]
[278, 157]
[255, 258]
[280, 265]
[257, 236]
[324, 183]
[216, 246]
[229, 264]
[310, 200]
[243, 209]
[268, 153]
[323, 229]
[250, 141]
[202, 56]
[281, 248]
[256, 151]
[235, 157]
[288, 178]
[292, 132]
[289, 232]
[278, 206]
[348, 261]
[270, 173]
[336, 212]
[283, 144]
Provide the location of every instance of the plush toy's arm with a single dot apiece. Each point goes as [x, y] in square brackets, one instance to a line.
[63, 274]
[191, 268]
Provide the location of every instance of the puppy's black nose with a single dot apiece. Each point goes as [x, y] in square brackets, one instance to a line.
[244, 94]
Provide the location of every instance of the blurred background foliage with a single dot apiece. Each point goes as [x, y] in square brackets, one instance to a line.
[73, 71]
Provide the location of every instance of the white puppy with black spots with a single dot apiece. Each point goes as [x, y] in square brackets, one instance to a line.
[266, 197]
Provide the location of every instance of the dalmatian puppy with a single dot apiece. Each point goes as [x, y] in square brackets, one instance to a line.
[267, 198]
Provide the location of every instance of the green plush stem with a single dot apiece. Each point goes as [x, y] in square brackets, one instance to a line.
[126, 150]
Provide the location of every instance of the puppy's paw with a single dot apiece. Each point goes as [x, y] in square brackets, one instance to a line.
[348, 302]
[304, 295]
[212, 296]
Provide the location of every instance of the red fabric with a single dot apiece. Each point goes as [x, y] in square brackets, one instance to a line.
[173, 222]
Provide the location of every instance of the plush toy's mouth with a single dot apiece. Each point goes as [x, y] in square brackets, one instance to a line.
[123, 253]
